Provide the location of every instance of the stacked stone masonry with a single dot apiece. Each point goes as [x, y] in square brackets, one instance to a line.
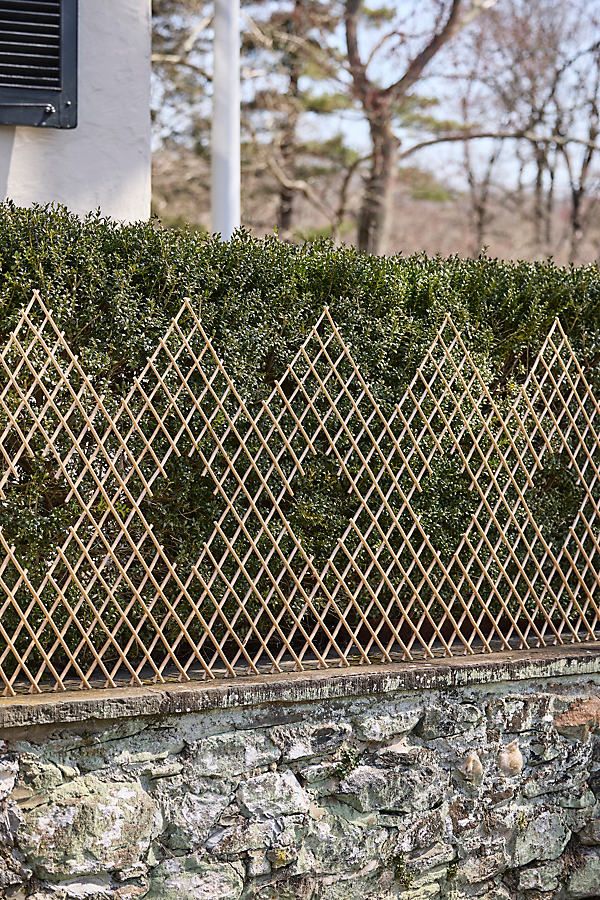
[488, 791]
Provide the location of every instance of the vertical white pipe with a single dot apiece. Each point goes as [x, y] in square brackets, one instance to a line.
[225, 187]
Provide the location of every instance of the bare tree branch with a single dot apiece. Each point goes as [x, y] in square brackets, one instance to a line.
[319, 55]
[558, 140]
[176, 59]
[298, 185]
[416, 66]
[358, 70]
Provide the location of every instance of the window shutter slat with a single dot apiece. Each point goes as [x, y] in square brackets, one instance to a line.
[38, 63]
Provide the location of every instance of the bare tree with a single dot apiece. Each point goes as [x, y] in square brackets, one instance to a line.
[293, 40]
[516, 94]
[479, 182]
[579, 160]
[381, 104]
[538, 69]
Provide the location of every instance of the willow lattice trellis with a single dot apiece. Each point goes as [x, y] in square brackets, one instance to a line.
[111, 606]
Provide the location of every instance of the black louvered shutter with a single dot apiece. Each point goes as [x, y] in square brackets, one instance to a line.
[38, 63]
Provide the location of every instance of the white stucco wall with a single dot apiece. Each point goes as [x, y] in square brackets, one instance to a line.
[105, 162]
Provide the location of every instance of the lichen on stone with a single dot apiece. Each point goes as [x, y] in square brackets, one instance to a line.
[396, 796]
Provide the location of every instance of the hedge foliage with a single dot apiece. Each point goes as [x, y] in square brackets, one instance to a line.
[114, 289]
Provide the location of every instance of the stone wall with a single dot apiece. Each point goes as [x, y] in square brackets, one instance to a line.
[482, 790]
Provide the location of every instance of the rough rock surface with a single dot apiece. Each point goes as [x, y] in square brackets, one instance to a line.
[367, 798]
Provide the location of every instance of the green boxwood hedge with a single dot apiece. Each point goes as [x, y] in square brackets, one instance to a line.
[115, 288]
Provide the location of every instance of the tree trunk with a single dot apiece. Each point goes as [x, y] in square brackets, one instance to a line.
[373, 212]
[288, 149]
[538, 195]
[576, 224]
[549, 211]
[288, 146]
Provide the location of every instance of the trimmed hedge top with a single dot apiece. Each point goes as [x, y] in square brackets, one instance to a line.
[114, 289]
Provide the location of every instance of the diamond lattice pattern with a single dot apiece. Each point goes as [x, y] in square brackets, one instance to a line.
[113, 606]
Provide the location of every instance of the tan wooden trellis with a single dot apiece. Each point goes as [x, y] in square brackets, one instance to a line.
[112, 607]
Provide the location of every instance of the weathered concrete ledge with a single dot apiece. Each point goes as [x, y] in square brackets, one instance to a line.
[294, 687]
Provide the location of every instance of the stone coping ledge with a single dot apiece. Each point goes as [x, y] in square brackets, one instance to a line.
[294, 687]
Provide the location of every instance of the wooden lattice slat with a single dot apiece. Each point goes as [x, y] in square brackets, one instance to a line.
[112, 606]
